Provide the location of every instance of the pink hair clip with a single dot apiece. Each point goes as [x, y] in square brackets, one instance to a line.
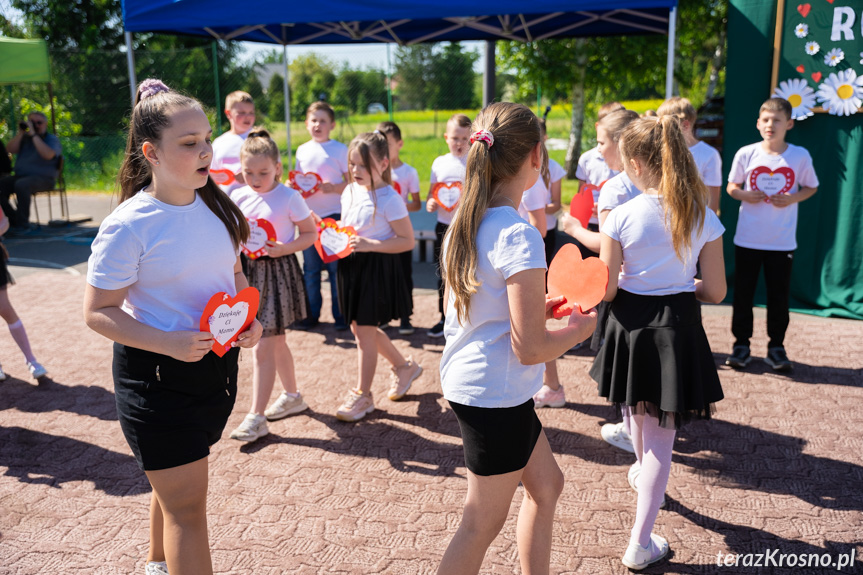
[482, 136]
[151, 87]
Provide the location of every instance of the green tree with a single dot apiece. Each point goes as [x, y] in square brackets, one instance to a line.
[276, 96]
[452, 78]
[413, 76]
[311, 77]
[356, 89]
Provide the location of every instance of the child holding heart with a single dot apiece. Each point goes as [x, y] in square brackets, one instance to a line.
[171, 244]
[372, 290]
[277, 276]
[656, 365]
[497, 341]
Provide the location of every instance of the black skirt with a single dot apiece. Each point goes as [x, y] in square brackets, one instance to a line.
[656, 358]
[283, 292]
[172, 411]
[497, 440]
[372, 288]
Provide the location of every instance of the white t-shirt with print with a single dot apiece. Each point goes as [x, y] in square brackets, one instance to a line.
[616, 192]
[329, 160]
[478, 366]
[709, 163]
[447, 169]
[593, 170]
[226, 156]
[282, 206]
[763, 226]
[172, 259]
[408, 181]
[650, 265]
[370, 213]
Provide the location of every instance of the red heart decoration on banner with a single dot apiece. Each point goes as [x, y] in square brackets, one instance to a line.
[771, 182]
[227, 317]
[581, 207]
[804, 9]
[223, 177]
[260, 232]
[831, 1]
[816, 76]
[306, 183]
[447, 195]
[582, 282]
[801, 68]
[333, 242]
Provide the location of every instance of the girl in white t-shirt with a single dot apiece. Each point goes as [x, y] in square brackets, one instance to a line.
[371, 286]
[656, 364]
[496, 343]
[157, 260]
[278, 277]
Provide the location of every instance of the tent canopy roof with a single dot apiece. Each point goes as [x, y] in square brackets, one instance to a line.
[24, 61]
[279, 22]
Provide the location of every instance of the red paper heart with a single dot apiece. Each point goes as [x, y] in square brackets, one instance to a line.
[804, 9]
[227, 317]
[771, 182]
[581, 281]
[223, 177]
[816, 76]
[260, 232]
[333, 242]
[447, 195]
[398, 188]
[306, 183]
[581, 207]
[831, 1]
[801, 68]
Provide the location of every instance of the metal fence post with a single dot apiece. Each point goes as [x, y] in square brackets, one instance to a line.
[216, 84]
[389, 84]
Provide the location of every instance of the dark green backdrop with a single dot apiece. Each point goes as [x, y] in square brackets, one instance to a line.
[828, 265]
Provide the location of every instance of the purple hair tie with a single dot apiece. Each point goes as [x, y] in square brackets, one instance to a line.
[151, 87]
[482, 136]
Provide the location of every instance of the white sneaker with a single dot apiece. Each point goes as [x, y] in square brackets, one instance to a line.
[156, 568]
[36, 369]
[3, 376]
[253, 427]
[285, 405]
[632, 477]
[638, 557]
[615, 434]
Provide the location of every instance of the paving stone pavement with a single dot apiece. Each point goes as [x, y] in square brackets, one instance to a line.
[778, 468]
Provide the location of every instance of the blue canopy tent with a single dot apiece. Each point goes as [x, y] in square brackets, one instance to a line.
[399, 22]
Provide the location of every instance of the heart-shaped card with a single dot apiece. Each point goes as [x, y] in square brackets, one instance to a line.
[581, 207]
[771, 182]
[306, 183]
[223, 177]
[581, 281]
[227, 317]
[260, 232]
[447, 194]
[333, 242]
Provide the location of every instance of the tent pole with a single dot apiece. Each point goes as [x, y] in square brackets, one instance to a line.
[669, 66]
[287, 103]
[216, 87]
[488, 74]
[130, 62]
[53, 115]
[389, 84]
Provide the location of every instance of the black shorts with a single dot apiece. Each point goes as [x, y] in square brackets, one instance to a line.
[497, 440]
[172, 411]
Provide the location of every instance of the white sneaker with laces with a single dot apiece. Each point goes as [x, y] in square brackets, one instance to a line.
[638, 557]
[36, 369]
[156, 568]
[253, 427]
[285, 405]
[402, 377]
[615, 434]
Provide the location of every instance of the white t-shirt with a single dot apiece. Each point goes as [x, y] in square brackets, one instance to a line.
[533, 198]
[593, 170]
[478, 366]
[371, 216]
[709, 163]
[763, 226]
[446, 169]
[173, 259]
[226, 156]
[616, 192]
[282, 206]
[650, 265]
[408, 181]
[329, 160]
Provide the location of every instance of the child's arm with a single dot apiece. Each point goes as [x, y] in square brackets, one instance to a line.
[431, 203]
[714, 194]
[784, 200]
[415, 204]
[737, 192]
[537, 220]
[612, 254]
[711, 288]
[585, 237]
[554, 206]
[401, 242]
[531, 341]
[305, 239]
[253, 333]
[331, 188]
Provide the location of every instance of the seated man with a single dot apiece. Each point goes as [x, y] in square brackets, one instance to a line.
[35, 169]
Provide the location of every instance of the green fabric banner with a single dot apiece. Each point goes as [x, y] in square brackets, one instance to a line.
[827, 277]
[24, 61]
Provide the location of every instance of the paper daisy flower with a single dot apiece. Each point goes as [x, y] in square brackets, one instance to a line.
[801, 31]
[812, 48]
[861, 57]
[799, 95]
[833, 57]
[841, 93]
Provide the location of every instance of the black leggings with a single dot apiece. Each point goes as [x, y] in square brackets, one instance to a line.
[777, 278]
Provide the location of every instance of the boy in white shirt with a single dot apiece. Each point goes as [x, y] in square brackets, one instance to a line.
[769, 178]
[706, 157]
[240, 110]
[329, 160]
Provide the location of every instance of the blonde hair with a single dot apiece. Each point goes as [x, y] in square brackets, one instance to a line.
[680, 107]
[776, 105]
[368, 145]
[321, 106]
[607, 109]
[516, 132]
[459, 120]
[237, 97]
[259, 143]
[659, 145]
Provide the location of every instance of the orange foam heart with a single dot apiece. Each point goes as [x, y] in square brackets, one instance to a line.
[333, 242]
[223, 177]
[581, 207]
[771, 182]
[227, 317]
[260, 232]
[307, 183]
[582, 282]
[447, 194]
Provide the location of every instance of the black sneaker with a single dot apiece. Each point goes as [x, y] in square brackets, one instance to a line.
[777, 359]
[406, 328]
[437, 330]
[307, 323]
[739, 358]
